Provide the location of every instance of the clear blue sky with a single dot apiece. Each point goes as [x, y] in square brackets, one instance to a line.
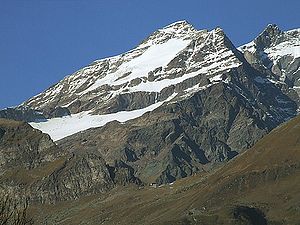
[41, 41]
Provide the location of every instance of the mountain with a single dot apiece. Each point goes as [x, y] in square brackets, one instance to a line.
[184, 101]
[277, 53]
[258, 187]
[185, 106]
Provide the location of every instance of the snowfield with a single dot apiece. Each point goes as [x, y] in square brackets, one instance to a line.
[155, 56]
[62, 127]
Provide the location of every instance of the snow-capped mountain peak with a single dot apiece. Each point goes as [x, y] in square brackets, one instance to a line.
[170, 65]
[167, 57]
[178, 30]
[145, 75]
[192, 98]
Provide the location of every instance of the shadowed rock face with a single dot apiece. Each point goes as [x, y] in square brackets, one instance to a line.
[22, 114]
[271, 35]
[247, 215]
[81, 174]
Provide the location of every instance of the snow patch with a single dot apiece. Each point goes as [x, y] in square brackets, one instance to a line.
[157, 86]
[216, 78]
[155, 56]
[250, 47]
[282, 49]
[59, 128]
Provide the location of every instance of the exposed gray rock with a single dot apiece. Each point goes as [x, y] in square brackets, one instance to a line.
[59, 112]
[80, 175]
[22, 113]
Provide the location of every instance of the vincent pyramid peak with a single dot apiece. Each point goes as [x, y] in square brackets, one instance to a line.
[179, 30]
[277, 54]
[178, 24]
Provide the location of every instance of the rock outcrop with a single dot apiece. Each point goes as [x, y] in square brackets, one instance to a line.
[31, 164]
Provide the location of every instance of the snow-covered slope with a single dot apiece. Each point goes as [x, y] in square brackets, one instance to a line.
[167, 54]
[114, 74]
[157, 55]
[61, 127]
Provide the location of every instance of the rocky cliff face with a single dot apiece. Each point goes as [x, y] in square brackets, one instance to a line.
[23, 146]
[31, 164]
[260, 186]
[22, 113]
